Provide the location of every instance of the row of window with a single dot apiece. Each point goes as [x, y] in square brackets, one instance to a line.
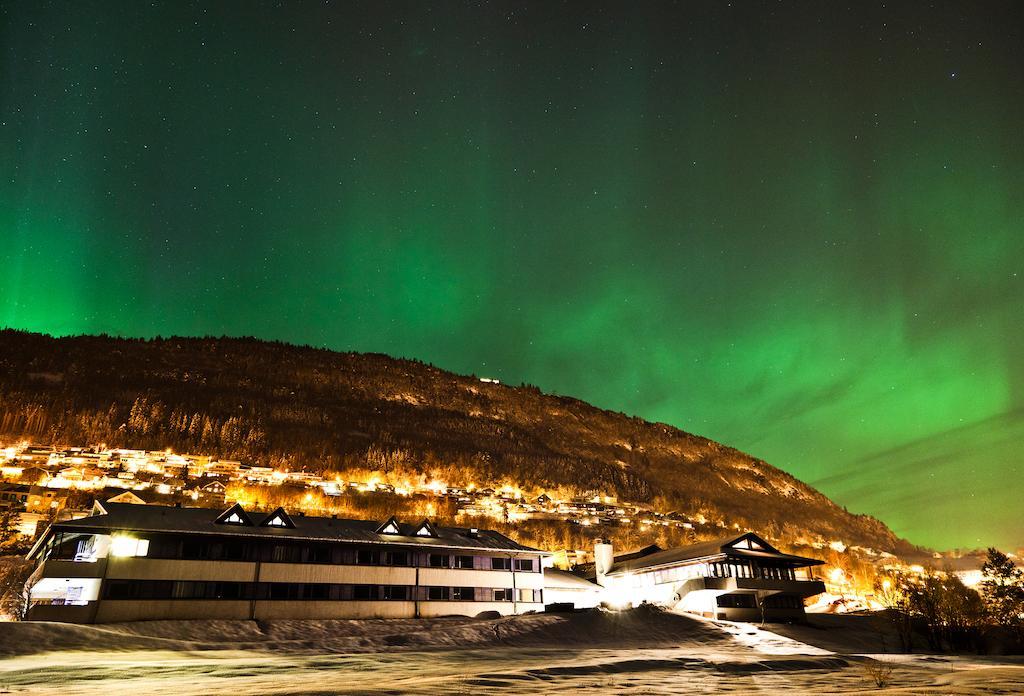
[723, 569]
[741, 569]
[197, 548]
[192, 589]
[748, 601]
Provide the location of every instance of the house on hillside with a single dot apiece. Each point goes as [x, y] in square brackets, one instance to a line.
[210, 491]
[14, 496]
[127, 497]
[45, 500]
[139, 562]
[35, 475]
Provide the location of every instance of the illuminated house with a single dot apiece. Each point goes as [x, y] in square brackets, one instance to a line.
[136, 562]
[736, 578]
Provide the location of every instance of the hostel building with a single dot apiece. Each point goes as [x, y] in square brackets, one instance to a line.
[130, 562]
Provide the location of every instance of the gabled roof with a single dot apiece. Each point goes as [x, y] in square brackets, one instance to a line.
[278, 518]
[127, 497]
[425, 529]
[233, 515]
[390, 527]
[742, 546]
[564, 580]
[587, 569]
[110, 517]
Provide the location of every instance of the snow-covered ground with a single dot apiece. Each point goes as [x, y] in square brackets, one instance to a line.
[640, 652]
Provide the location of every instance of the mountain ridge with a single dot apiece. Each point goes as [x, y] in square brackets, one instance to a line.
[315, 409]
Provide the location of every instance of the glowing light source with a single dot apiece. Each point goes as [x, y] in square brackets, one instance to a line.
[123, 546]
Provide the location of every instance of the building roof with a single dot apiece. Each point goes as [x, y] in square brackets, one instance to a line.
[564, 580]
[111, 517]
[717, 549]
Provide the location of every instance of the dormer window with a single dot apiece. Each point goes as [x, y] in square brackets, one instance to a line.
[390, 527]
[748, 543]
[425, 529]
[278, 518]
[234, 515]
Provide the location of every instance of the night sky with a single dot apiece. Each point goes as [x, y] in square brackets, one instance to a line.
[794, 228]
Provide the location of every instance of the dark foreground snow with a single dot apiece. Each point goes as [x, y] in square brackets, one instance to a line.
[640, 652]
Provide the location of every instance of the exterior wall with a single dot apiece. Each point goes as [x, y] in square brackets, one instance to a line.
[475, 608]
[771, 615]
[333, 610]
[480, 578]
[804, 588]
[66, 614]
[70, 569]
[157, 569]
[369, 575]
[579, 598]
[115, 610]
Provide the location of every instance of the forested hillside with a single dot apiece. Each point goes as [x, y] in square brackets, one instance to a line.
[300, 407]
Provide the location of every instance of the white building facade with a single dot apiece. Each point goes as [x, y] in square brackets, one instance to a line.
[740, 578]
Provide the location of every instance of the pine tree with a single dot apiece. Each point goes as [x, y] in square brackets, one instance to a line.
[8, 527]
[1003, 590]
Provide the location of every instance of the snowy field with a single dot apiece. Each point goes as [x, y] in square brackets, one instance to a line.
[639, 652]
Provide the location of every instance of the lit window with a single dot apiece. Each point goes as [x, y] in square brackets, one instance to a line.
[423, 531]
[391, 528]
[276, 522]
[233, 518]
[126, 546]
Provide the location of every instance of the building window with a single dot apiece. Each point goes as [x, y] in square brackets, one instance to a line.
[502, 595]
[463, 561]
[286, 554]
[783, 602]
[397, 592]
[737, 601]
[438, 561]
[119, 589]
[437, 593]
[466, 594]
[126, 546]
[500, 563]
[317, 591]
[524, 564]
[364, 592]
[318, 554]
[366, 557]
[398, 558]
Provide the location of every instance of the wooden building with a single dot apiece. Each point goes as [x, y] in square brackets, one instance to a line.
[130, 562]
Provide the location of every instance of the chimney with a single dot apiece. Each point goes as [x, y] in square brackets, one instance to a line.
[603, 559]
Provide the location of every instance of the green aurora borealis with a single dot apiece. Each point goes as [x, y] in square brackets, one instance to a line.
[794, 228]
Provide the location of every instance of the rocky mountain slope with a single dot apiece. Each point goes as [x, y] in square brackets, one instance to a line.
[325, 411]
